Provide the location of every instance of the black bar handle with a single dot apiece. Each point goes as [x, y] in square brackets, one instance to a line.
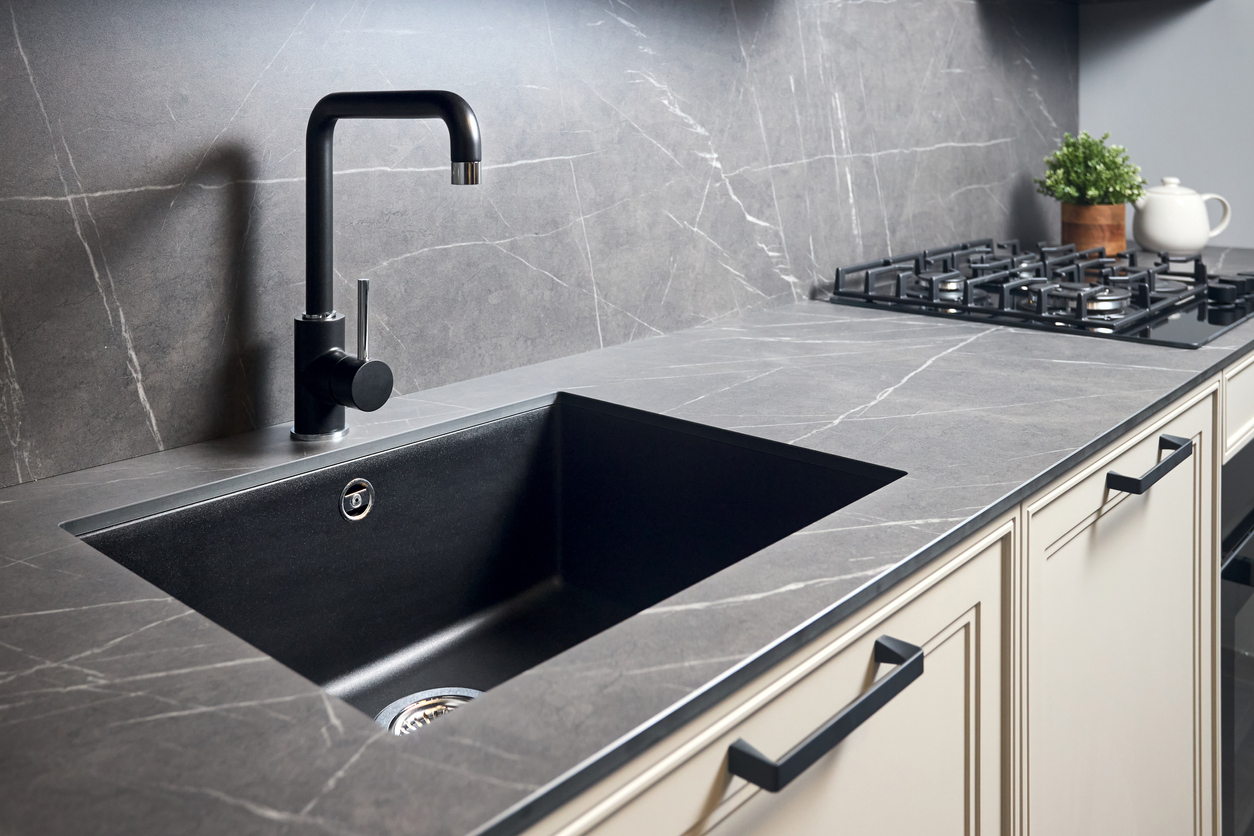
[756, 768]
[1183, 448]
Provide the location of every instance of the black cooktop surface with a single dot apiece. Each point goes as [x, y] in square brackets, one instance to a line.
[1145, 297]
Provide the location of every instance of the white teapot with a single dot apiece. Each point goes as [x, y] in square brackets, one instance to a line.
[1172, 219]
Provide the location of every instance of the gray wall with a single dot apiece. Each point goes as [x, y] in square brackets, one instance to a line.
[648, 166]
[1171, 81]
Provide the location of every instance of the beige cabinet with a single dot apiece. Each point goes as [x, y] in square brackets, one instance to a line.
[934, 748]
[1119, 666]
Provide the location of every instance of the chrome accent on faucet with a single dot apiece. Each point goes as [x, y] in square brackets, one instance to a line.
[331, 436]
[466, 174]
[363, 318]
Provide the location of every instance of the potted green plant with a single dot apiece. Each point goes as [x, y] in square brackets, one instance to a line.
[1094, 182]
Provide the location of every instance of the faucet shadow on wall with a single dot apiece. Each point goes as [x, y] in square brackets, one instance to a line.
[240, 380]
[233, 381]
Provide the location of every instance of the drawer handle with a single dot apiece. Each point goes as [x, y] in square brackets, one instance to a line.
[1183, 449]
[756, 768]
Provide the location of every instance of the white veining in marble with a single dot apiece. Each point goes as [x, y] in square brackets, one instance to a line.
[121, 697]
[648, 167]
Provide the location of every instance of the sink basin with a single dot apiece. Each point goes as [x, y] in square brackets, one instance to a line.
[489, 547]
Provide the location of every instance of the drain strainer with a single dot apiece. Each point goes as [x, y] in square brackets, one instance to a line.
[411, 713]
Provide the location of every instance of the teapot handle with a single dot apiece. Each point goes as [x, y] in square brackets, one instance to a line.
[1223, 222]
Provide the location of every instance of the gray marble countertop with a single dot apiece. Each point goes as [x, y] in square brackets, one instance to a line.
[121, 711]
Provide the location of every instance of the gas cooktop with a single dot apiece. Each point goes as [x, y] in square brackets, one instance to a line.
[1146, 297]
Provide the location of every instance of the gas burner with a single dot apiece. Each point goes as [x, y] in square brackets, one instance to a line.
[1160, 285]
[1126, 295]
[1111, 303]
[1170, 286]
[949, 286]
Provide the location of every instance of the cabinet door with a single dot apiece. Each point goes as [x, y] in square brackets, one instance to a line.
[1119, 645]
[927, 762]
[913, 767]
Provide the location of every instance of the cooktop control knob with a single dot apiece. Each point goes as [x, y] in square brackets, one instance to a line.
[1222, 293]
[1244, 283]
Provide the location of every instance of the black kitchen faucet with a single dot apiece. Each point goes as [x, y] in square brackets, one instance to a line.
[327, 378]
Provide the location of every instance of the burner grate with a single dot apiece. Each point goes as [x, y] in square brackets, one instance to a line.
[1053, 287]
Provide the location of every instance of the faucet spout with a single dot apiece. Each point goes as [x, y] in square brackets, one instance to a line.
[327, 378]
[464, 153]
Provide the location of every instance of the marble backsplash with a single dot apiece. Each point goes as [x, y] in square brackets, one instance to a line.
[647, 167]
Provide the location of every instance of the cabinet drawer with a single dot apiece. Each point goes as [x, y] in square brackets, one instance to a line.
[1238, 406]
[940, 736]
[1070, 506]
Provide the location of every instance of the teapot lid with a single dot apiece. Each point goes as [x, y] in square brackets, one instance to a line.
[1171, 186]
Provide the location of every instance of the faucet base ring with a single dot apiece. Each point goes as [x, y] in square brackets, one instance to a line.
[334, 435]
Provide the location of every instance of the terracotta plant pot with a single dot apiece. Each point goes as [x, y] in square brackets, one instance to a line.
[1095, 226]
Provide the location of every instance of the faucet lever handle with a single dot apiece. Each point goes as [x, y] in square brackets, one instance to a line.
[363, 318]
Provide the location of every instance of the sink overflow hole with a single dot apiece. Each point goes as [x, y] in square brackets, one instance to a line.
[356, 500]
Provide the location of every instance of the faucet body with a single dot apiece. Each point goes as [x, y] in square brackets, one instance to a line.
[327, 378]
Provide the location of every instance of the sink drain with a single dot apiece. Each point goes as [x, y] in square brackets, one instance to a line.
[411, 713]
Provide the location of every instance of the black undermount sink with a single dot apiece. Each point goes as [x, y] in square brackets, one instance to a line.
[488, 549]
